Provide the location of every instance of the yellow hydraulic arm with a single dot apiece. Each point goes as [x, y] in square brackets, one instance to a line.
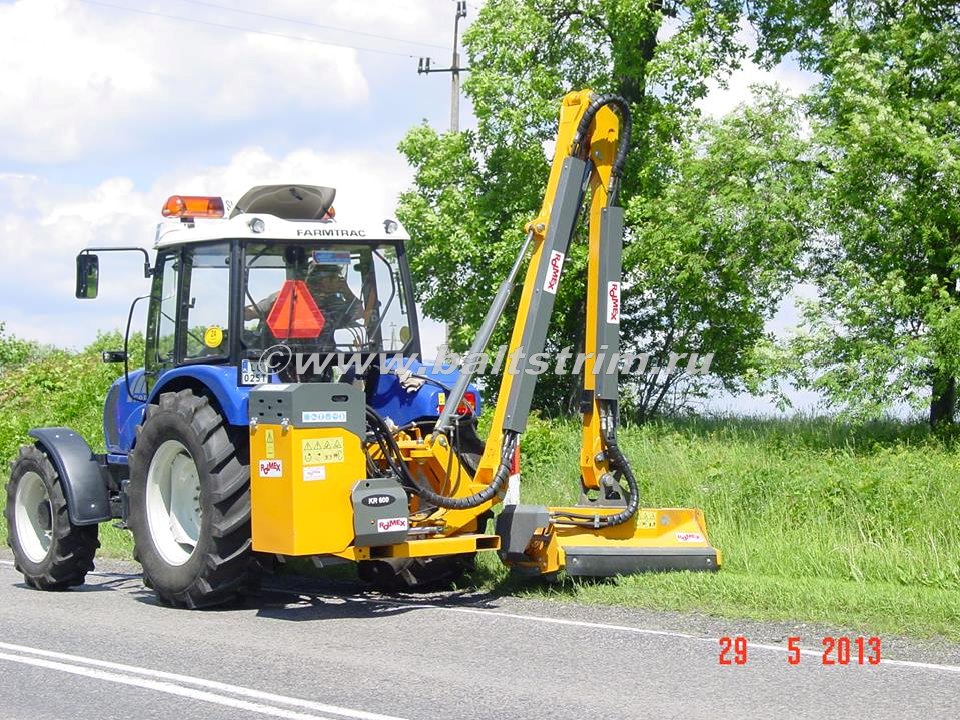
[606, 533]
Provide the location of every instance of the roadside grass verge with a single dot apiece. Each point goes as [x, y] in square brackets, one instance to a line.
[817, 520]
[46, 386]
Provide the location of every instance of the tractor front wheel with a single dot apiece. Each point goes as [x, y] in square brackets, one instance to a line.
[51, 553]
[190, 504]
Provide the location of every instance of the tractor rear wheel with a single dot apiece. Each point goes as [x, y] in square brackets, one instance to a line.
[190, 504]
[51, 553]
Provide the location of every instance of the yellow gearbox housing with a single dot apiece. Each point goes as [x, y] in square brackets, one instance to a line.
[306, 456]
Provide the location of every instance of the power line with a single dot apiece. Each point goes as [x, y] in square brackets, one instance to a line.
[308, 23]
[224, 26]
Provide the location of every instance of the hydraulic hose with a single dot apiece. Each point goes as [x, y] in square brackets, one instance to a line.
[478, 498]
[620, 464]
[394, 460]
[579, 149]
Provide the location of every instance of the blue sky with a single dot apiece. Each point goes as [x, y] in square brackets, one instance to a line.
[107, 112]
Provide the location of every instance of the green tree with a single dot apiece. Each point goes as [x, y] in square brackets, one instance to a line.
[885, 122]
[712, 234]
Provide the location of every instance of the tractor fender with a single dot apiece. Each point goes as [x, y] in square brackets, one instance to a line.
[81, 475]
[219, 380]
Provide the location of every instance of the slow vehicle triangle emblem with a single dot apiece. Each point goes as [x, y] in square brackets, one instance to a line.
[295, 313]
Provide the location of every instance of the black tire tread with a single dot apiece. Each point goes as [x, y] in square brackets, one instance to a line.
[74, 547]
[229, 566]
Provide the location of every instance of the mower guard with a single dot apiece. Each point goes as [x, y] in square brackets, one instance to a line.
[655, 539]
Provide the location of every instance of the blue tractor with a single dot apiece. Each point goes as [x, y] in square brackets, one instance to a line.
[277, 293]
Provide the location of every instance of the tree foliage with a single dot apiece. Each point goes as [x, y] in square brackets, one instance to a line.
[712, 220]
[886, 142]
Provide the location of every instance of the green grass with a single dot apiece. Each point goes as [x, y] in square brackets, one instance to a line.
[817, 520]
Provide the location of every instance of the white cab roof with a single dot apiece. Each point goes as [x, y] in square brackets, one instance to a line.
[176, 232]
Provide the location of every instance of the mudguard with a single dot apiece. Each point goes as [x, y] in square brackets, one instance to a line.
[83, 480]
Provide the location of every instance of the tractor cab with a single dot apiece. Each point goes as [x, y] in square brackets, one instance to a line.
[278, 286]
[272, 288]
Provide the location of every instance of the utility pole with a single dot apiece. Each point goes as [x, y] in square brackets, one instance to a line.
[454, 69]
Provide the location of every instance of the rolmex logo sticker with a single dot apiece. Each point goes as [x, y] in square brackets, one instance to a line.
[271, 468]
[689, 537]
[553, 272]
[392, 524]
[613, 303]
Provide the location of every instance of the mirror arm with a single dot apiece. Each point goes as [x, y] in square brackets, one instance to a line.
[147, 270]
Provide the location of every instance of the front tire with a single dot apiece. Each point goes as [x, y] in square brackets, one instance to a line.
[190, 504]
[51, 553]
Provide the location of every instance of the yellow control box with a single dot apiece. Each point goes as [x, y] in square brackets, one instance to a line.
[305, 458]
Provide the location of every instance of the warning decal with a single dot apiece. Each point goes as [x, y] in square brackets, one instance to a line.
[647, 519]
[322, 451]
[269, 447]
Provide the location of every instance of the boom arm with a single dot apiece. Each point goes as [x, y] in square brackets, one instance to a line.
[590, 151]
[606, 533]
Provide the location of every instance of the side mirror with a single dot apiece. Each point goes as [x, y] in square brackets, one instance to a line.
[88, 276]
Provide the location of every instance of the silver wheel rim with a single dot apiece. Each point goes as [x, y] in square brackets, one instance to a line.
[173, 502]
[32, 498]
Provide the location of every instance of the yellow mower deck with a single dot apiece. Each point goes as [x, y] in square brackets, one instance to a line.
[661, 539]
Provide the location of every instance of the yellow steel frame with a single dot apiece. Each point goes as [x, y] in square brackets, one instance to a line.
[602, 141]
[657, 529]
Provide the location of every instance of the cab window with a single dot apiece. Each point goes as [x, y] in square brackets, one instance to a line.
[206, 301]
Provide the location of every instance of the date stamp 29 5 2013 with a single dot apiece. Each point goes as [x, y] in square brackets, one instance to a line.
[840, 650]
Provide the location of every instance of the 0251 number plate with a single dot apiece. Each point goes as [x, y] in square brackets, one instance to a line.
[253, 373]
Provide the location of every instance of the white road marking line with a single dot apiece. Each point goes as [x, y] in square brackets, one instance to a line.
[190, 680]
[605, 626]
[164, 687]
[594, 625]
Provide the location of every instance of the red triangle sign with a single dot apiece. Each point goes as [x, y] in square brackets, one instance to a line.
[295, 313]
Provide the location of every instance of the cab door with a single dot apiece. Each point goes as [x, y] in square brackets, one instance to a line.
[189, 317]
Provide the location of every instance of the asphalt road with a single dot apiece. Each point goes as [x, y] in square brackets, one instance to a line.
[304, 649]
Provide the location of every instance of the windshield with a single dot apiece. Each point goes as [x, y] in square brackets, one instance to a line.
[325, 298]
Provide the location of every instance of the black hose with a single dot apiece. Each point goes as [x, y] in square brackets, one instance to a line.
[623, 144]
[478, 498]
[619, 464]
[393, 457]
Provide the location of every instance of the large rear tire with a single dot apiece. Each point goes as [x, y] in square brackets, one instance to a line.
[190, 504]
[51, 553]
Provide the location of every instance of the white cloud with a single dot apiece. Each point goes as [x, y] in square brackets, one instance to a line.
[42, 227]
[723, 98]
[77, 77]
[366, 182]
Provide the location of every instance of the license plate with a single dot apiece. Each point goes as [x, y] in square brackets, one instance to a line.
[253, 373]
